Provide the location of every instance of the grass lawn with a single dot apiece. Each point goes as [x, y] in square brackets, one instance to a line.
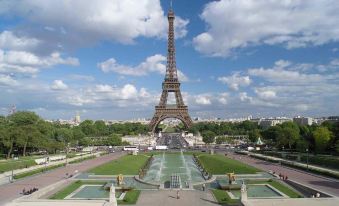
[130, 198]
[223, 198]
[282, 188]
[60, 195]
[219, 164]
[126, 165]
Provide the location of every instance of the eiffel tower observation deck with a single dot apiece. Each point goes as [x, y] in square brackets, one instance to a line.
[171, 84]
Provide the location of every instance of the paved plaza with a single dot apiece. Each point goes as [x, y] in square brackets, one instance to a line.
[168, 198]
[327, 185]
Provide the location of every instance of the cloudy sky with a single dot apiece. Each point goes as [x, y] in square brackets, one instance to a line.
[107, 59]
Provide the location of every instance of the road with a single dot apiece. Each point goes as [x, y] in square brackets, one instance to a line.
[328, 185]
[172, 140]
[11, 191]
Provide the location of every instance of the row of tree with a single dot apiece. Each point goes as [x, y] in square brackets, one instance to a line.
[25, 132]
[322, 138]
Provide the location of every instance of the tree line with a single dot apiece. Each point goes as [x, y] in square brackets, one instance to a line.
[322, 138]
[25, 132]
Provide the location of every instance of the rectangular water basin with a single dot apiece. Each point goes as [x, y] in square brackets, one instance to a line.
[258, 191]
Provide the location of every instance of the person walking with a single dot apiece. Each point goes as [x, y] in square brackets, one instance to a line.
[203, 187]
[178, 195]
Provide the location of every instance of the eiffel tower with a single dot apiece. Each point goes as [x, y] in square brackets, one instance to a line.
[171, 84]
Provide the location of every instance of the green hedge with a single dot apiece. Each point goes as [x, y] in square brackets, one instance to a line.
[325, 161]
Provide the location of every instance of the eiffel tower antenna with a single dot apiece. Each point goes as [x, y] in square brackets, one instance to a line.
[171, 5]
[171, 84]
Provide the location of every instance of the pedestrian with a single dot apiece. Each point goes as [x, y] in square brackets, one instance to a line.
[317, 195]
[23, 191]
[178, 195]
[286, 177]
[203, 187]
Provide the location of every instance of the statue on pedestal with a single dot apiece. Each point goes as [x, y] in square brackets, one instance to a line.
[231, 177]
[243, 190]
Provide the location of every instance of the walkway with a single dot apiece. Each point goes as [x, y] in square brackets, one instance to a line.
[6, 176]
[168, 198]
[11, 191]
[327, 185]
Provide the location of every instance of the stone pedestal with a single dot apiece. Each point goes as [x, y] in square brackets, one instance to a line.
[112, 198]
[211, 151]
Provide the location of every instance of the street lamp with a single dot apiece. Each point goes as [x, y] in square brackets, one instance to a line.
[307, 158]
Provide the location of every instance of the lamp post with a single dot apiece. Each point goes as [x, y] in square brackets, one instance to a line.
[307, 159]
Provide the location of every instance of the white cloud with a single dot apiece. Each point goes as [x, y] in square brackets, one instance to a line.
[244, 97]
[7, 80]
[99, 20]
[155, 63]
[29, 63]
[8, 40]
[265, 94]
[235, 81]
[59, 85]
[287, 73]
[203, 99]
[104, 95]
[223, 98]
[233, 24]
[151, 64]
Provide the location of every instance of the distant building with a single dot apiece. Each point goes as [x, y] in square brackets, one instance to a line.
[269, 122]
[77, 119]
[303, 120]
[333, 119]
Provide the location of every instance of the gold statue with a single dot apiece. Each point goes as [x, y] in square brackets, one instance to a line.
[120, 179]
[231, 177]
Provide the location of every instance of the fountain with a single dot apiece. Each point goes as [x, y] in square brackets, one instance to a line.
[166, 165]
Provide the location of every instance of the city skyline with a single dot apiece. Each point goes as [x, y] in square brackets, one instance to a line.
[235, 58]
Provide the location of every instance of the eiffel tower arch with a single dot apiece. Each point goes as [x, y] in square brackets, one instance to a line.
[171, 84]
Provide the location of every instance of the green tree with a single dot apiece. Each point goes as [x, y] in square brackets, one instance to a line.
[208, 136]
[87, 127]
[253, 135]
[337, 146]
[302, 145]
[220, 140]
[322, 137]
[100, 128]
[291, 135]
[30, 137]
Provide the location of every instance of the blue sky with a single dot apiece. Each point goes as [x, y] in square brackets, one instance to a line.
[106, 59]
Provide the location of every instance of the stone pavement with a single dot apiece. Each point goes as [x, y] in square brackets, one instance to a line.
[11, 191]
[168, 198]
[293, 202]
[327, 185]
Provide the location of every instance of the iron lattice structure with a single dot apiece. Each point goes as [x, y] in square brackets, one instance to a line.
[171, 84]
